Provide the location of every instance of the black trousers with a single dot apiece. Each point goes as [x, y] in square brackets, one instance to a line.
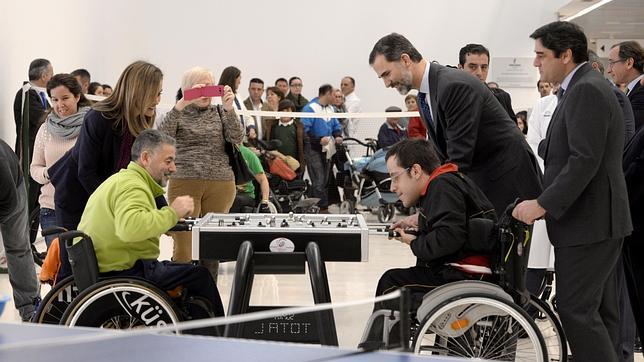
[419, 280]
[633, 254]
[33, 204]
[168, 275]
[587, 299]
[243, 204]
[626, 321]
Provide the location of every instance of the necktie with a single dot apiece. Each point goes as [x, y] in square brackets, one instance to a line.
[560, 94]
[241, 118]
[427, 113]
[43, 100]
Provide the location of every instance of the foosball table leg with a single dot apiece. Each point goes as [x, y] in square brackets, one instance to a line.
[321, 294]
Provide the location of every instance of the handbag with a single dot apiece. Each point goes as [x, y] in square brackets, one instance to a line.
[235, 158]
[278, 167]
[290, 160]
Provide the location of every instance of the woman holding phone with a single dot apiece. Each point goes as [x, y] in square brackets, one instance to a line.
[203, 169]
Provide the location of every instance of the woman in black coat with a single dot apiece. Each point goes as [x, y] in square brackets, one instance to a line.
[104, 144]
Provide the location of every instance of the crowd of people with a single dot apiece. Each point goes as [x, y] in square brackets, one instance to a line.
[574, 161]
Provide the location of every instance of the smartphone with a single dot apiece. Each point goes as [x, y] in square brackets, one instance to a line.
[208, 91]
[213, 91]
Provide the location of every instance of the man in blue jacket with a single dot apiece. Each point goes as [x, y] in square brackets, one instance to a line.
[319, 133]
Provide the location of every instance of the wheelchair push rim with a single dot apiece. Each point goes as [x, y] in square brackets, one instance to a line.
[121, 304]
[53, 305]
[505, 335]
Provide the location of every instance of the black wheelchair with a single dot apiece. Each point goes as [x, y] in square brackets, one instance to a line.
[88, 299]
[496, 320]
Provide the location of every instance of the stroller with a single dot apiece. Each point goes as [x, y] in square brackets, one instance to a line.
[287, 196]
[366, 182]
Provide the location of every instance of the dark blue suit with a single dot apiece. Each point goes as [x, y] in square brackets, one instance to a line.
[587, 213]
[473, 131]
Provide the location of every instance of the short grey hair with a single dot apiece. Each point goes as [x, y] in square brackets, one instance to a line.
[149, 140]
[37, 68]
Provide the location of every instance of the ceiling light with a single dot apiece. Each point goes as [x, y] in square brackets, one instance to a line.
[587, 10]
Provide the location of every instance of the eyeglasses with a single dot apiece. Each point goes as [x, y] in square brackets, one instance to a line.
[296, 85]
[394, 176]
[611, 63]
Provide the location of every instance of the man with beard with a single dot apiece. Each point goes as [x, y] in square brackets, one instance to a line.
[464, 120]
[124, 223]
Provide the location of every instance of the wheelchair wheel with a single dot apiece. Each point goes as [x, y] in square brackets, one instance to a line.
[550, 328]
[386, 213]
[53, 305]
[480, 326]
[34, 224]
[348, 207]
[121, 304]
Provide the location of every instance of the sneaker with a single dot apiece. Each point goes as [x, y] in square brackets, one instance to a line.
[3, 264]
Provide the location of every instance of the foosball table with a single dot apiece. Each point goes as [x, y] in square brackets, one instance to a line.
[281, 244]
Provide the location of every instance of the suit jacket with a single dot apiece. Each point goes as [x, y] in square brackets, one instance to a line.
[506, 102]
[249, 104]
[585, 192]
[256, 120]
[636, 96]
[475, 132]
[36, 113]
[634, 174]
[627, 112]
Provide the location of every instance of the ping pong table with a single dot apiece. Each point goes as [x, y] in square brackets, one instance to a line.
[62, 344]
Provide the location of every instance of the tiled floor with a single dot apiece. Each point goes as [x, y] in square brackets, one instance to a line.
[348, 282]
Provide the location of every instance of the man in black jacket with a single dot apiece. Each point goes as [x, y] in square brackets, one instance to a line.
[475, 59]
[447, 201]
[15, 232]
[584, 202]
[28, 121]
[464, 120]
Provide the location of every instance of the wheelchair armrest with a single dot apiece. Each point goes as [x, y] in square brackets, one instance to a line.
[53, 230]
[82, 258]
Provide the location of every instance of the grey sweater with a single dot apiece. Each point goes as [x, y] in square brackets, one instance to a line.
[200, 141]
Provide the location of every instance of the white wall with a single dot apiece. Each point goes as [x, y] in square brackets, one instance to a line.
[319, 41]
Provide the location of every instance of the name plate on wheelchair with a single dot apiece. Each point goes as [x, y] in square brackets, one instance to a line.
[340, 237]
[297, 328]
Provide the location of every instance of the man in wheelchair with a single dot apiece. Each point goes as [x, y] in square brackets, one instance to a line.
[451, 235]
[124, 223]
[246, 200]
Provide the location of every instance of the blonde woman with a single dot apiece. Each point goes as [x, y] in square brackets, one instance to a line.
[104, 144]
[203, 169]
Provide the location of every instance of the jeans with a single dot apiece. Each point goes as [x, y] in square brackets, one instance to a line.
[47, 219]
[318, 167]
[22, 272]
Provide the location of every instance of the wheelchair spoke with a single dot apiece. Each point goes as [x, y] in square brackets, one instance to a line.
[495, 330]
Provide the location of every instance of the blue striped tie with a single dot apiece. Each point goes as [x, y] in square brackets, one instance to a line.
[43, 99]
[427, 113]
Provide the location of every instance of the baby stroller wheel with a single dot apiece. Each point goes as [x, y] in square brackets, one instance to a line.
[348, 207]
[386, 212]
